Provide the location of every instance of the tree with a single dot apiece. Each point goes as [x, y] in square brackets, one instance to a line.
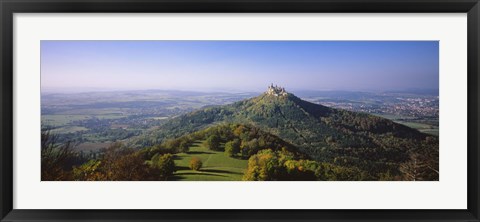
[120, 163]
[126, 165]
[268, 165]
[232, 147]
[421, 166]
[89, 171]
[411, 168]
[239, 130]
[195, 163]
[261, 166]
[56, 160]
[386, 176]
[164, 164]
[171, 145]
[183, 147]
[213, 142]
[249, 148]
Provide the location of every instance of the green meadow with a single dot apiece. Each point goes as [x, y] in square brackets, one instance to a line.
[422, 127]
[216, 165]
[404, 120]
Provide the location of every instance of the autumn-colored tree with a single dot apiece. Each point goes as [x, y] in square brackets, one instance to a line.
[239, 130]
[195, 163]
[127, 166]
[261, 166]
[89, 171]
[282, 165]
[118, 163]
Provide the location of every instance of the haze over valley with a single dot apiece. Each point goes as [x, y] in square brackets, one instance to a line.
[240, 110]
[93, 119]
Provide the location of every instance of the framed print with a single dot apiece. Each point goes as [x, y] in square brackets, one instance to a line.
[252, 111]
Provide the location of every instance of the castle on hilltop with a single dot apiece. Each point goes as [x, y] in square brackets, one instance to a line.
[276, 91]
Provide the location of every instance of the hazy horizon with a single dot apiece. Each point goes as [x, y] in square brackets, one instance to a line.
[240, 66]
[294, 91]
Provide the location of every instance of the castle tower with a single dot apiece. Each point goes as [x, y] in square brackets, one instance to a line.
[276, 90]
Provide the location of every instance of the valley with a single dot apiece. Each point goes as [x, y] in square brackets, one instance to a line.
[347, 133]
[239, 110]
[105, 117]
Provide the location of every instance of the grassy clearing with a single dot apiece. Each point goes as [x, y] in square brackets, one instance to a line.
[416, 125]
[216, 165]
[434, 132]
[422, 127]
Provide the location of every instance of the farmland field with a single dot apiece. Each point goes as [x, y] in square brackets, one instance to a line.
[216, 165]
[237, 110]
[420, 125]
[68, 129]
[61, 119]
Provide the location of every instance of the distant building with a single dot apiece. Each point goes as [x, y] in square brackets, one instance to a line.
[276, 91]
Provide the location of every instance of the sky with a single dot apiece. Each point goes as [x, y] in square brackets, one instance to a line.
[239, 65]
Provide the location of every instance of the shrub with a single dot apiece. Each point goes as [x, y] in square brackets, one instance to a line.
[195, 163]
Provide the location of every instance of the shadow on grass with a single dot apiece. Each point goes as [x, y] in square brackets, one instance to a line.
[199, 152]
[176, 157]
[175, 177]
[177, 168]
[199, 173]
[220, 171]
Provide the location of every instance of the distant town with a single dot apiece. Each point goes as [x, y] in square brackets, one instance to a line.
[416, 110]
[417, 107]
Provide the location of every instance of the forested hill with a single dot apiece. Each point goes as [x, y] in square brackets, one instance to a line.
[324, 134]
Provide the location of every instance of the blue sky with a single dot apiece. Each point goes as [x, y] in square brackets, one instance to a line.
[239, 65]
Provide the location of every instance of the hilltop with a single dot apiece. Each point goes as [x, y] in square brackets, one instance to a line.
[374, 144]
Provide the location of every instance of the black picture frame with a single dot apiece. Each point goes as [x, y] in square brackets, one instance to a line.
[9, 7]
